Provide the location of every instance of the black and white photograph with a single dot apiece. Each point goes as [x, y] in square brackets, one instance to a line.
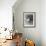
[29, 19]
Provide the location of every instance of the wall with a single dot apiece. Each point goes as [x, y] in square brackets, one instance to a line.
[43, 22]
[28, 6]
[6, 13]
[6, 16]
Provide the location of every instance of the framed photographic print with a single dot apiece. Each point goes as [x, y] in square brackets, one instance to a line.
[29, 19]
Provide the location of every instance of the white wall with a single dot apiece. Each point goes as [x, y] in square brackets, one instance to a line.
[28, 6]
[6, 13]
[43, 22]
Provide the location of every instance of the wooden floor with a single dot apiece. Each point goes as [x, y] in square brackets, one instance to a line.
[9, 43]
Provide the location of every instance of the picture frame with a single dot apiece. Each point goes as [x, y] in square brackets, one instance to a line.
[29, 19]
